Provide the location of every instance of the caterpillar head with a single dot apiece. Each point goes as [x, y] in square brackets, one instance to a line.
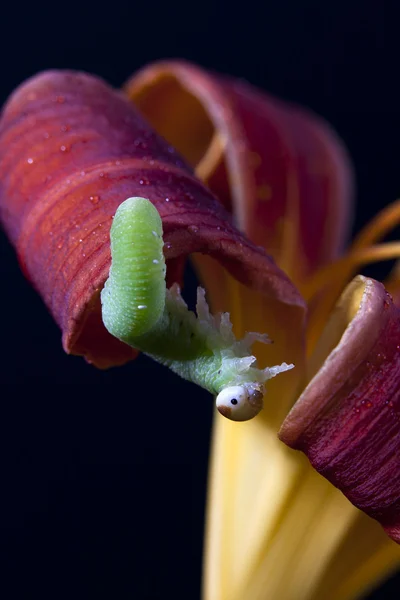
[240, 402]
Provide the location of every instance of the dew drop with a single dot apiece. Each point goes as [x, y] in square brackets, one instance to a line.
[166, 199]
[63, 148]
[30, 161]
[94, 199]
[193, 229]
[142, 306]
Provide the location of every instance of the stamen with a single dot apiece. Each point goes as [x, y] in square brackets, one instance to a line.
[336, 270]
[386, 220]
[381, 224]
[328, 283]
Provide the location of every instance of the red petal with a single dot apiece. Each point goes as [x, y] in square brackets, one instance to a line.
[281, 170]
[71, 150]
[347, 421]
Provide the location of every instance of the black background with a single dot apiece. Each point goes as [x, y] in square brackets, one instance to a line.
[103, 491]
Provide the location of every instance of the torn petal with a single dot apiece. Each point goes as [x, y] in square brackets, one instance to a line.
[71, 150]
[347, 420]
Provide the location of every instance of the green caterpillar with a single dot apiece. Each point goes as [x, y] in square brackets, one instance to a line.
[138, 309]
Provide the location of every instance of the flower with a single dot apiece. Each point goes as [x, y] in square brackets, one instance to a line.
[72, 149]
[275, 527]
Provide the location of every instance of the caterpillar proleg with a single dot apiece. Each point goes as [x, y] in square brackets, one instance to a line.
[138, 309]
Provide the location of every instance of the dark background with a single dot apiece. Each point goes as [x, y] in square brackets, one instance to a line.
[101, 496]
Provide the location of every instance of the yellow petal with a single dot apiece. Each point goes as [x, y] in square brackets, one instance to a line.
[275, 528]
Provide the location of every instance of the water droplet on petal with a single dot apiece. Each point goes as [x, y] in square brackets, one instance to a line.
[30, 161]
[94, 199]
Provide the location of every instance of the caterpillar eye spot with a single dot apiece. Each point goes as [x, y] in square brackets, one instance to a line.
[240, 402]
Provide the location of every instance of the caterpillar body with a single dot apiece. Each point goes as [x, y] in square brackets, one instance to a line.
[138, 309]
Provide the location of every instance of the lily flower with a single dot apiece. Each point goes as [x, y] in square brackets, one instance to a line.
[275, 527]
[72, 149]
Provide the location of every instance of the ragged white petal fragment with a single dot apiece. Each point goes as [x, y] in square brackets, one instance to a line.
[202, 309]
[252, 336]
[273, 371]
[244, 364]
[175, 294]
[244, 345]
[225, 328]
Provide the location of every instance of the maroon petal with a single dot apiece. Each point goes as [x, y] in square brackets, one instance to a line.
[279, 169]
[347, 421]
[71, 150]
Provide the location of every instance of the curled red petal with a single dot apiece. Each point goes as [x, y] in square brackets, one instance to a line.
[347, 421]
[71, 150]
[281, 170]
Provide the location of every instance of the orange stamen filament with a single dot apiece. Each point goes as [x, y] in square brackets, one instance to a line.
[343, 268]
[329, 282]
[385, 221]
[376, 229]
